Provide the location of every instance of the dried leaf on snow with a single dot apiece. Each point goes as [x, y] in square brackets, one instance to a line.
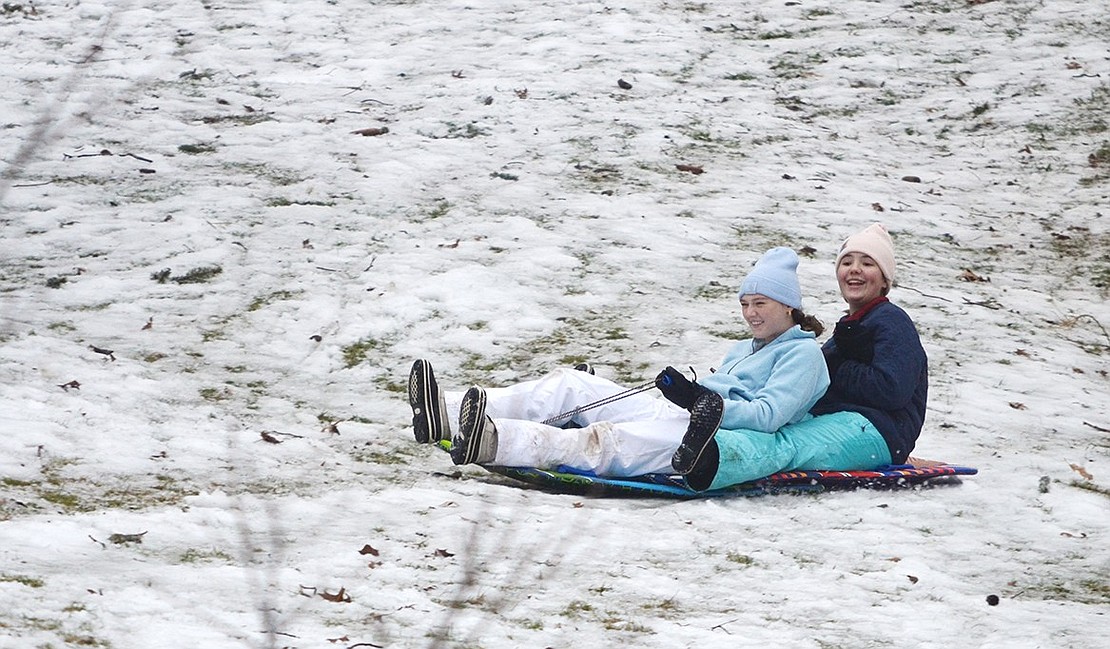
[971, 276]
[1081, 471]
[694, 169]
[340, 598]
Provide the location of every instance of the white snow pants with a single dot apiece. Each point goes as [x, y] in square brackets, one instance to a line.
[631, 436]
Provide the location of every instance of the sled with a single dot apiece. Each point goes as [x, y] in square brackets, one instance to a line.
[919, 474]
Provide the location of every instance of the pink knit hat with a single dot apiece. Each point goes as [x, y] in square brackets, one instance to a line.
[875, 242]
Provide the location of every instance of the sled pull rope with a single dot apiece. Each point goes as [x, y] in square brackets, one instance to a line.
[600, 402]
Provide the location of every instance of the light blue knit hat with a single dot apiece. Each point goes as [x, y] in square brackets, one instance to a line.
[776, 276]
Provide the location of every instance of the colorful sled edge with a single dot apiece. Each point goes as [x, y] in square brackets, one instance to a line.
[890, 477]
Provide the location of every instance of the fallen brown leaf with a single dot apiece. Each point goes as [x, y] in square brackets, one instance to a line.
[372, 131]
[694, 169]
[367, 549]
[340, 598]
[1017, 405]
[1081, 471]
[969, 275]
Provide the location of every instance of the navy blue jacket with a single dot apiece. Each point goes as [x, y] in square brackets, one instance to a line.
[891, 390]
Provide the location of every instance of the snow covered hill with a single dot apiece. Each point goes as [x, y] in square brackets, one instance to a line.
[229, 227]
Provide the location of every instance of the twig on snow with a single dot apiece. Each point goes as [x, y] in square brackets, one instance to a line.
[1097, 323]
[924, 294]
[990, 303]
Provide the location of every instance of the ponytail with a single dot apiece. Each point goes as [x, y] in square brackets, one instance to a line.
[807, 322]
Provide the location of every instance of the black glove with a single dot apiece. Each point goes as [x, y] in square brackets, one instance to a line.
[677, 388]
[854, 341]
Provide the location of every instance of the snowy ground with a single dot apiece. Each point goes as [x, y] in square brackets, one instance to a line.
[183, 188]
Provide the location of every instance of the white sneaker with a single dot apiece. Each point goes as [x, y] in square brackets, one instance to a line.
[476, 442]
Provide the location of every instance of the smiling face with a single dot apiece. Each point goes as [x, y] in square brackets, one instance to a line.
[860, 279]
[766, 317]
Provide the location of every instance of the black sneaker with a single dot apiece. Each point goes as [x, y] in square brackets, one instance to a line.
[476, 442]
[429, 414]
[705, 418]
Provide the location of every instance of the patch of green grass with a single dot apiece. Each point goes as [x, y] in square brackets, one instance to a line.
[12, 8]
[242, 119]
[215, 394]
[666, 609]
[613, 622]
[576, 608]
[396, 385]
[714, 290]
[62, 499]
[1090, 590]
[796, 65]
[30, 582]
[196, 555]
[196, 149]
[273, 174]
[272, 297]
[357, 352]
[81, 180]
[197, 275]
[742, 559]
[14, 482]
[84, 640]
[286, 202]
[439, 209]
[456, 131]
[195, 75]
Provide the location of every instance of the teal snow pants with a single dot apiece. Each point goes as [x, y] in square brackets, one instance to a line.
[839, 441]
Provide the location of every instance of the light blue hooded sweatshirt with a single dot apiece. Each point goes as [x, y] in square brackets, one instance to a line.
[765, 388]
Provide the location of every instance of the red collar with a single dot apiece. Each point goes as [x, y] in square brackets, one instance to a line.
[858, 315]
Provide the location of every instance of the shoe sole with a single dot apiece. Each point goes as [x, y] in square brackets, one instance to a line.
[472, 419]
[423, 391]
[705, 419]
